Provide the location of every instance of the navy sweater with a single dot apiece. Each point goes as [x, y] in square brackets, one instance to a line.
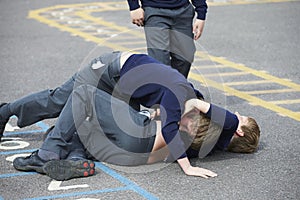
[150, 83]
[200, 5]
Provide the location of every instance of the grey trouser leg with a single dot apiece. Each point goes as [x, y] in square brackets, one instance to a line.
[41, 105]
[108, 128]
[169, 36]
[49, 103]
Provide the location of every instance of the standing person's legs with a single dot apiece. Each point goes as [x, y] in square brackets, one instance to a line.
[182, 46]
[157, 27]
[169, 36]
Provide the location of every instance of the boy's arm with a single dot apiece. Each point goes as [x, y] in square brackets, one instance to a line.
[198, 104]
[227, 120]
[133, 4]
[200, 8]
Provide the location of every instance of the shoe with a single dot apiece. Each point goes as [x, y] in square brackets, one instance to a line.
[30, 163]
[62, 170]
[3, 122]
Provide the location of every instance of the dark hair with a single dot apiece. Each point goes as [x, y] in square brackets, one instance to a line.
[249, 142]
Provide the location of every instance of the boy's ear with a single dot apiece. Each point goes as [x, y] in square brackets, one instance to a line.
[240, 133]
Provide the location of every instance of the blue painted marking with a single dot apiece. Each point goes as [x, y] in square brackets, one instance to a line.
[80, 193]
[17, 151]
[129, 184]
[124, 180]
[42, 125]
[17, 174]
[22, 132]
[20, 173]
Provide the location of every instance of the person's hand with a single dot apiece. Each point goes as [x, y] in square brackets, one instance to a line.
[137, 16]
[198, 28]
[197, 104]
[188, 169]
[197, 171]
[189, 106]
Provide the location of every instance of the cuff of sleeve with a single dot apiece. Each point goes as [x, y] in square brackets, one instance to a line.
[133, 5]
[201, 12]
[201, 15]
[170, 158]
[208, 114]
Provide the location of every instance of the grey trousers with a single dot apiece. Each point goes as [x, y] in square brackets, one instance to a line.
[108, 128]
[49, 103]
[169, 36]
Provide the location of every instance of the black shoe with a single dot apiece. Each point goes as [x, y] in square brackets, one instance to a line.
[3, 122]
[62, 170]
[30, 163]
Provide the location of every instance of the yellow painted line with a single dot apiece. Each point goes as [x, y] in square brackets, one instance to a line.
[208, 66]
[271, 91]
[226, 74]
[242, 67]
[132, 42]
[244, 2]
[109, 6]
[251, 99]
[291, 101]
[95, 29]
[87, 36]
[85, 14]
[124, 37]
[248, 82]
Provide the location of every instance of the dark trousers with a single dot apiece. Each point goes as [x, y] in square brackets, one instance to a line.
[49, 103]
[169, 36]
[108, 128]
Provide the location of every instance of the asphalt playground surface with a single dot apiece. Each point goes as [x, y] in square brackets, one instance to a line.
[247, 60]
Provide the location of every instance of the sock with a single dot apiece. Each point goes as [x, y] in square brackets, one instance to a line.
[47, 155]
[77, 154]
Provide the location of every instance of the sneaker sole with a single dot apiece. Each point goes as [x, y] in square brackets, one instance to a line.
[28, 168]
[62, 170]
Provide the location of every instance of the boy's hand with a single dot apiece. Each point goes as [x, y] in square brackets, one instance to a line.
[189, 106]
[198, 28]
[188, 169]
[137, 16]
[197, 171]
